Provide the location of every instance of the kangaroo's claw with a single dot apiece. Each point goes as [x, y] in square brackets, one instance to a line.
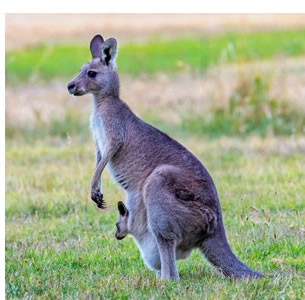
[97, 197]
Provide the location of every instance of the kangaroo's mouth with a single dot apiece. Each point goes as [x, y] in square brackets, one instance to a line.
[118, 237]
[79, 93]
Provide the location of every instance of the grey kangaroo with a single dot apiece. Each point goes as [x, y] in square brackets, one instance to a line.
[172, 206]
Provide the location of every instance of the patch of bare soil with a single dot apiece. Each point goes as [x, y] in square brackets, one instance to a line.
[28, 29]
[166, 96]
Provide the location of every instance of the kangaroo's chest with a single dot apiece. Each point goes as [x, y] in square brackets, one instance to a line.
[98, 130]
[100, 137]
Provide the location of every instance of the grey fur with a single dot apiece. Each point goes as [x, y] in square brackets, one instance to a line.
[171, 199]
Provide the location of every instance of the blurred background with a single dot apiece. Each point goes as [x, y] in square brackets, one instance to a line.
[210, 75]
[231, 88]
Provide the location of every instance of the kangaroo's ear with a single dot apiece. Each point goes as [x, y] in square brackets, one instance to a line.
[96, 46]
[122, 209]
[109, 51]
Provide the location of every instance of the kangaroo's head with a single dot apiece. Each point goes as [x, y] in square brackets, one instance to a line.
[122, 222]
[99, 76]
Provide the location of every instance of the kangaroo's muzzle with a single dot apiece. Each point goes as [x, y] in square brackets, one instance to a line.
[73, 90]
[118, 236]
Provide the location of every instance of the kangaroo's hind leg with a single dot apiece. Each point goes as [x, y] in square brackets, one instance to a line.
[179, 214]
[167, 250]
[162, 223]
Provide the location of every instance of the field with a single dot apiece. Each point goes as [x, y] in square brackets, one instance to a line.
[235, 99]
[197, 53]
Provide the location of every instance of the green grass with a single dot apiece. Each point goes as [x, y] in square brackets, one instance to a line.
[51, 61]
[59, 245]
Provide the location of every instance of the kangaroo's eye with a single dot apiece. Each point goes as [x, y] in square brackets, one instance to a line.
[92, 74]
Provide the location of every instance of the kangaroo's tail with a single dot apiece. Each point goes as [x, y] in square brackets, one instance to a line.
[217, 250]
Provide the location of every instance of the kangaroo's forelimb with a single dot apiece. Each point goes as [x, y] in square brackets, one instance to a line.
[96, 193]
[98, 159]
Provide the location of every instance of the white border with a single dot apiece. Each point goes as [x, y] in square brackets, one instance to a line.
[156, 6]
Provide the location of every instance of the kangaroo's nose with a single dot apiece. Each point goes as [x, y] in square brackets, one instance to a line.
[71, 86]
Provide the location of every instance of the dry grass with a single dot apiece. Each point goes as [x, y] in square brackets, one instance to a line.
[169, 95]
[28, 29]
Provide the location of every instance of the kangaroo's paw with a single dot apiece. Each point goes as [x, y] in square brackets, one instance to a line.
[97, 197]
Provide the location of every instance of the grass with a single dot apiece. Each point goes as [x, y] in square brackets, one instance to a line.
[59, 245]
[251, 111]
[152, 56]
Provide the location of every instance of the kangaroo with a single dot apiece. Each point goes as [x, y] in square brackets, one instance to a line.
[172, 205]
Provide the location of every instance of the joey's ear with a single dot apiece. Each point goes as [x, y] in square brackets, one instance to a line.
[96, 46]
[109, 51]
[122, 209]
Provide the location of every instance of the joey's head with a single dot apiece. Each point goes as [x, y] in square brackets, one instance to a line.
[122, 222]
[99, 76]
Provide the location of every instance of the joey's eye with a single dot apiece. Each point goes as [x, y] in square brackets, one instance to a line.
[92, 74]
